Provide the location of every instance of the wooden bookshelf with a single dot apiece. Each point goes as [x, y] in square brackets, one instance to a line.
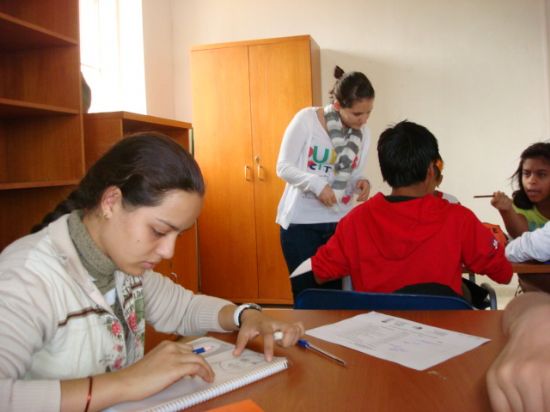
[41, 140]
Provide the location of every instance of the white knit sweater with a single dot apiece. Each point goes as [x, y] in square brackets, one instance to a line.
[47, 331]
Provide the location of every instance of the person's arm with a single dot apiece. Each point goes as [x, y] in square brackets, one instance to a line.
[163, 365]
[533, 245]
[171, 308]
[27, 320]
[170, 361]
[481, 252]
[519, 379]
[293, 149]
[515, 223]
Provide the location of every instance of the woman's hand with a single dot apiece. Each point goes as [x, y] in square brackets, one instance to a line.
[255, 323]
[363, 187]
[162, 366]
[501, 202]
[327, 196]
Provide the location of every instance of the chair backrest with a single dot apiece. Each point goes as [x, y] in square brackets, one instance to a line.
[343, 299]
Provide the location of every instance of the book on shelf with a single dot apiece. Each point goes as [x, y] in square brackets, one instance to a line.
[231, 372]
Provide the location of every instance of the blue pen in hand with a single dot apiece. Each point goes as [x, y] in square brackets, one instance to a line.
[305, 344]
[199, 350]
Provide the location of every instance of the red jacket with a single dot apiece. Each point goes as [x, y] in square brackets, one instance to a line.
[385, 246]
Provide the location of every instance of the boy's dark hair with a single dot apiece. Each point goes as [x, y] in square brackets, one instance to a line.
[350, 87]
[405, 152]
[144, 166]
[538, 150]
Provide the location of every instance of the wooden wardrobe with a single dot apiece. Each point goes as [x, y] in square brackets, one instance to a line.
[244, 96]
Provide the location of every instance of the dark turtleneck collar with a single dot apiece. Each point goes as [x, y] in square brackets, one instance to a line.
[100, 267]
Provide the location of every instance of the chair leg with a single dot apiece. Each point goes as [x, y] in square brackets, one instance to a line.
[492, 295]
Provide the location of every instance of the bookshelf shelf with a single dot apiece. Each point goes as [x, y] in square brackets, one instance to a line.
[41, 138]
[18, 34]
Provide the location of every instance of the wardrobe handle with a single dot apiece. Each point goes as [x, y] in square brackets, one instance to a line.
[247, 173]
[259, 167]
[260, 171]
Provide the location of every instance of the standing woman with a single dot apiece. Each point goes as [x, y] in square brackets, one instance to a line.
[322, 159]
[75, 295]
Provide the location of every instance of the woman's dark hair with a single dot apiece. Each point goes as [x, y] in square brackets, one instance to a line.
[144, 166]
[405, 152]
[537, 150]
[350, 87]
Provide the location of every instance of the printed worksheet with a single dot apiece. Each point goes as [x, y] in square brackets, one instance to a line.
[408, 343]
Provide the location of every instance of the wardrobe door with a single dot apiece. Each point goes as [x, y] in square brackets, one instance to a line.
[280, 85]
[221, 116]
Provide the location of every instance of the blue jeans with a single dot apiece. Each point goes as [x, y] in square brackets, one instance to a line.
[300, 242]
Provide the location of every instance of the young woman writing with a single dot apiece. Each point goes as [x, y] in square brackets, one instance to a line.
[75, 295]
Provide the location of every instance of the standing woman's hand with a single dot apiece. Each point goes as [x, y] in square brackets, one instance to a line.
[363, 187]
[327, 196]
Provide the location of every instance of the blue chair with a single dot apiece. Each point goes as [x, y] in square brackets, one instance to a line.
[351, 300]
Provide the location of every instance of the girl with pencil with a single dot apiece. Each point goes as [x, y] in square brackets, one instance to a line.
[529, 207]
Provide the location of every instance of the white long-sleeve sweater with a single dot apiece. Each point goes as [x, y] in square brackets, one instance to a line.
[305, 163]
[533, 245]
[52, 318]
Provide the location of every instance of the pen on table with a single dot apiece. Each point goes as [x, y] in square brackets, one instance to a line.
[197, 351]
[481, 196]
[305, 344]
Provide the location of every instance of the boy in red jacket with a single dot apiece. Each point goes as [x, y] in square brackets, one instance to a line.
[410, 237]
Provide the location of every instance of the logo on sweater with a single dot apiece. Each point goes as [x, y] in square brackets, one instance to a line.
[321, 159]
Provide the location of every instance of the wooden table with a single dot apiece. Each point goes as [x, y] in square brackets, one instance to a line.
[530, 268]
[313, 383]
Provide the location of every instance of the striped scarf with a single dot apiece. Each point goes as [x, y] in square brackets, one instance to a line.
[346, 142]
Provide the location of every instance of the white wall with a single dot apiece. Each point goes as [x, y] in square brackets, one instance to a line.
[474, 72]
[158, 46]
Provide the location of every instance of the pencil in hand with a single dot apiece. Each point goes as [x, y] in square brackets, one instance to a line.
[481, 196]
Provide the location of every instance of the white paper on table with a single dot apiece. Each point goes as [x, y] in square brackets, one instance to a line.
[408, 343]
[302, 268]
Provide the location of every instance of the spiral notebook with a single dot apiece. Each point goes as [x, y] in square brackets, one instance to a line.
[231, 373]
